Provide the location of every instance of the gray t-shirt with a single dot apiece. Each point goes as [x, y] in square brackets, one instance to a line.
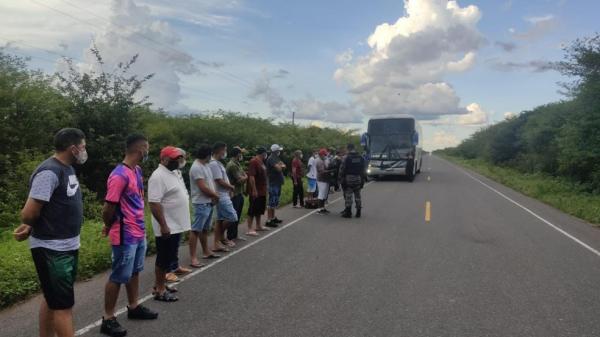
[218, 172]
[200, 171]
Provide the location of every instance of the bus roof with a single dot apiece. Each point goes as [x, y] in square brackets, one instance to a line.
[400, 116]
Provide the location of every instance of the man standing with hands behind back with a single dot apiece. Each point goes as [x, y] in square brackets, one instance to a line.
[53, 215]
[123, 216]
[276, 179]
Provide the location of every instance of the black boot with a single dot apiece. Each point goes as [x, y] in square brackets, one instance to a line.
[358, 212]
[347, 213]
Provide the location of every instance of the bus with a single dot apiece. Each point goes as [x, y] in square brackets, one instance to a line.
[393, 147]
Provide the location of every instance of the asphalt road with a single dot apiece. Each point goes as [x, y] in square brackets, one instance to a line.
[489, 262]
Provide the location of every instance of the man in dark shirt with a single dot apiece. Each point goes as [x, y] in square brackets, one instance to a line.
[276, 179]
[53, 215]
[257, 190]
[352, 177]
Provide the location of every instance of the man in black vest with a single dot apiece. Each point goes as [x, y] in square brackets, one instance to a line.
[52, 219]
[352, 177]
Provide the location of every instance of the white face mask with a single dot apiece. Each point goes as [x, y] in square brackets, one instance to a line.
[301, 156]
[225, 155]
[182, 164]
[81, 157]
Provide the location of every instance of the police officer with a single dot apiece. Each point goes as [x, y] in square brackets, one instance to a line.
[352, 177]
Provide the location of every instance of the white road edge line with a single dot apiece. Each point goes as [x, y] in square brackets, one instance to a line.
[558, 229]
[121, 311]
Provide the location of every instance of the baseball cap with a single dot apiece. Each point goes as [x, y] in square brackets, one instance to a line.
[170, 152]
[276, 147]
[322, 152]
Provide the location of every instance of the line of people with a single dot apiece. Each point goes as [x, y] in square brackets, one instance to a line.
[53, 215]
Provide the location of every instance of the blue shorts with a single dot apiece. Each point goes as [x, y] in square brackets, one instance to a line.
[274, 195]
[312, 185]
[226, 211]
[127, 260]
[202, 217]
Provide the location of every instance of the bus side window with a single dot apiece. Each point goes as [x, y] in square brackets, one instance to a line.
[415, 138]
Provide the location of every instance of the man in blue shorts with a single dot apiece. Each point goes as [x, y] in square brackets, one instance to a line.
[276, 179]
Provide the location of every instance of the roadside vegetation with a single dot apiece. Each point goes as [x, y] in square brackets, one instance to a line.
[552, 152]
[107, 107]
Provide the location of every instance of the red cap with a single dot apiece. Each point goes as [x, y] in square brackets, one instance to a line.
[170, 152]
[322, 152]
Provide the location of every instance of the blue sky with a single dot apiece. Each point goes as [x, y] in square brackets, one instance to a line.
[273, 57]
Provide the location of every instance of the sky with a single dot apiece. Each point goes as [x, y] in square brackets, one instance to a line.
[457, 66]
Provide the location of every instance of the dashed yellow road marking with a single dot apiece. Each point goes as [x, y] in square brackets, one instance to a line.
[428, 211]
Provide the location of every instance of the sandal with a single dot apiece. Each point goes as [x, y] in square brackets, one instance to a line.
[171, 278]
[182, 271]
[197, 265]
[212, 256]
[228, 243]
[253, 233]
[169, 288]
[166, 297]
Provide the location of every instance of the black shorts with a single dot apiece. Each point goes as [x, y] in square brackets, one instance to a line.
[57, 272]
[257, 206]
[167, 250]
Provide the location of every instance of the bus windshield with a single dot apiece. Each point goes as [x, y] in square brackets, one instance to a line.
[390, 146]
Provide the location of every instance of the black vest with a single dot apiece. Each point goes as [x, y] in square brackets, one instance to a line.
[355, 164]
[61, 217]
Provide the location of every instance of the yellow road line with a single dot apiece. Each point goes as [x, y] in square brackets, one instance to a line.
[428, 211]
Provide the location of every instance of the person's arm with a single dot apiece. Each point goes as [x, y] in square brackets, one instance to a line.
[201, 183]
[156, 193]
[252, 185]
[29, 215]
[42, 188]
[224, 184]
[115, 187]
[159, 215]
[342, 173]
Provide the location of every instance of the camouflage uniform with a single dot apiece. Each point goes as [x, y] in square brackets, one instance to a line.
[352, 177]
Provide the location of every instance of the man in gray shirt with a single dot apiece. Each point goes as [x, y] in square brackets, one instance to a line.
[226, 214]
[204, 196]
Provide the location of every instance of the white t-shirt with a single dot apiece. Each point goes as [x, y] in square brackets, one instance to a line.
[312, 168]
[218, 172]
[200, 171]
[167, 188]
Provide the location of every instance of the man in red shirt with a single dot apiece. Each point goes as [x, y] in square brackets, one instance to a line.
[257, 190]
[297, 174]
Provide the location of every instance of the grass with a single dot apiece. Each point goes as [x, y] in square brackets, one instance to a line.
[561, 193]
[18, 279]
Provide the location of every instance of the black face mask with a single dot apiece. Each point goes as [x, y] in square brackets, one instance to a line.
[173, 165]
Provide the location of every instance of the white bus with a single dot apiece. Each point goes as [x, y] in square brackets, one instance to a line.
[393, 147]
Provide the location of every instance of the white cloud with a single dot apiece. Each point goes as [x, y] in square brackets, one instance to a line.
[345, 57]
[132, 30]
[540, 26]
[476, 116]
[310, 108]
[440, 140]
[404, 71]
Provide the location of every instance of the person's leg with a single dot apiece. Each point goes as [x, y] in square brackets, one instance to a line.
[63, 322]
[46, 323]
[133, 287]
[358, 200]
[193, 244]
[301, 193]
[111, 295]
[159, 272]
[270, 214]
[204, 243]
[217, 234]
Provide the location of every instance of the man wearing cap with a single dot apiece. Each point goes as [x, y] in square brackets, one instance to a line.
[275, 174]
[352, 177]
[169, 203]
[322, 180]
[257, 190]
[238, 178]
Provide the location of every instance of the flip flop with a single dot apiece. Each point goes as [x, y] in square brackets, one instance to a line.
[182, 271]
[221, 250]
[197, 265]
[212, 256]
[252, 234]
[171, 278]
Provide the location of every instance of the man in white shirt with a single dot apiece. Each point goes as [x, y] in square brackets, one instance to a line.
[170, 205]
[312, 175]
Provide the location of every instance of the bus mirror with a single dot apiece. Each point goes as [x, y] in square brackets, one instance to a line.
[415, 138]
[364, 140]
